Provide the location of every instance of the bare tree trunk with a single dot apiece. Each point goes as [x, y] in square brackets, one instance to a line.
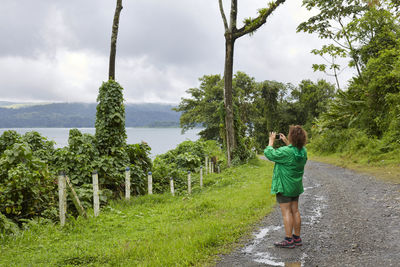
[114, 36]
[228, 99]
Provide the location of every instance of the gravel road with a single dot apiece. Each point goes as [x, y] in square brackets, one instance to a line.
[348, 219]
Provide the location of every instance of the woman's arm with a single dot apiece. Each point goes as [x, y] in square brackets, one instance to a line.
[283, 138]
[272, 136]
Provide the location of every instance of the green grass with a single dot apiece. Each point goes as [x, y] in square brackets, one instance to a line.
[157, 230]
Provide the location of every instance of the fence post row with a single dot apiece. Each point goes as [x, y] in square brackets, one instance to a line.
[62, 197]
[150, 183]
[189, 183]
[201, 176]
[96, 201]
[171, 183]
[127, 183]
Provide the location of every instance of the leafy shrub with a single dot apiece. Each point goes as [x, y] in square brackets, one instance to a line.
[187, 156]
[27, 188]
[78, 159]
[140, 164]
[9, 138]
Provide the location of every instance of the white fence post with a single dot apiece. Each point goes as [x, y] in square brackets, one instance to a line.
[212, 166]
[201, 176]
[62, 197]
[206, 165]
[127, 183]
[96, 200]
[150, 183]
[219, 170]
[189, 183]
[171, 183]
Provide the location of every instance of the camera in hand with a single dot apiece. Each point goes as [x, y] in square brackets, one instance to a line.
[278, 136]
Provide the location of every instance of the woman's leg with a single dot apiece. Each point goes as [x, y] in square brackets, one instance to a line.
[294, 206]
[287, 218]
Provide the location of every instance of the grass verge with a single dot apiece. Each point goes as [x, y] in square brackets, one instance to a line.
[385, 169]
[157, 230]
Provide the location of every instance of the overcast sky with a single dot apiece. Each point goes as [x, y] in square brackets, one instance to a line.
[57, 50]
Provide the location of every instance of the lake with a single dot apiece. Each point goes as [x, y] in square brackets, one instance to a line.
[159, 139]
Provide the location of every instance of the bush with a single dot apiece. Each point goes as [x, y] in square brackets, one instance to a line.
[140, 164]
[27, 188]
[187, 156]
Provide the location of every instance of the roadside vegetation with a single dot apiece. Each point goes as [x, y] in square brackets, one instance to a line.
[153, 230]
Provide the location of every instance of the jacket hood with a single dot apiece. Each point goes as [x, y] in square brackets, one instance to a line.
[299, 153]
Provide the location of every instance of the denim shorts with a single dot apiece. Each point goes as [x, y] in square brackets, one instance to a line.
[284, 199]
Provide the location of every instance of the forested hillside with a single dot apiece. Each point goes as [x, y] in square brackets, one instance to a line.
[83, 115]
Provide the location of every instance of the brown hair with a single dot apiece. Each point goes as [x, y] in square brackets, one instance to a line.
[297, 136]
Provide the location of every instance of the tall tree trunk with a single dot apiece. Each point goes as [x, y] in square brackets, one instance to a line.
[228, 99]
[114, 36]
[231, 34]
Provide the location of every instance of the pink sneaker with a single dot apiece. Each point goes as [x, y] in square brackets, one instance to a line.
[297, 241]
[285, 244]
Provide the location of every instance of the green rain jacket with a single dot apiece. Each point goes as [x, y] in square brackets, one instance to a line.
[288, 173]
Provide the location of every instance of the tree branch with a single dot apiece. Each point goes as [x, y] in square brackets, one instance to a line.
[259, 21]
[221, 9]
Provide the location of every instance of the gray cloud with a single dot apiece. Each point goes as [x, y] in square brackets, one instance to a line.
[55, 50]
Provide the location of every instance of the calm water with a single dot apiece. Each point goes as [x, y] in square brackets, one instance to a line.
[159, 139]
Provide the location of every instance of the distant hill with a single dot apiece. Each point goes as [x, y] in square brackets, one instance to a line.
[16, 115]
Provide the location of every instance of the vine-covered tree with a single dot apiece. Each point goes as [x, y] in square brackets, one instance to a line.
[110, 116]
[232, 33]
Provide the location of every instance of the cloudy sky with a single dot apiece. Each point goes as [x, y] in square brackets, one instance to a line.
[58, 51]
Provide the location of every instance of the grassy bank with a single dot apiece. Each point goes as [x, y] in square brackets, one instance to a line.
[158, 230]
[386, 167]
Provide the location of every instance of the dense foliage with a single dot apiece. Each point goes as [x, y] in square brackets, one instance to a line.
[110, 118]
[27, 185]
[187, 156]
[367, 114]
[260, 107]
[29, 166]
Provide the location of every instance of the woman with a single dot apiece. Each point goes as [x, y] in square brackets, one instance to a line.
[287, 180]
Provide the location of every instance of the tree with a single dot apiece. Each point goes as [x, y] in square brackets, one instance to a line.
[203, 108]
[114, 36]
[312, 100]
[331, 23]
[231, 34]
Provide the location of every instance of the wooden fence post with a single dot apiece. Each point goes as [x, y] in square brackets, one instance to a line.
[212, 167]
[189, 183]
[150, 183]
[62, 197]
[219, 170]
[201, 176]
[171, 182]
[75, 199]
[127, 183]
[96, 200]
